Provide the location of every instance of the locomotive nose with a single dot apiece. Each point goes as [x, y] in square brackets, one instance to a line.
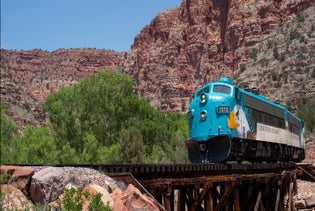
[215, 150]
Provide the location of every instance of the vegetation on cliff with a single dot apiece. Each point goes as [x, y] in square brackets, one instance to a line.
[98, 120]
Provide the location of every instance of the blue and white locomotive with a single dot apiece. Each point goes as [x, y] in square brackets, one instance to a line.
[230, 123]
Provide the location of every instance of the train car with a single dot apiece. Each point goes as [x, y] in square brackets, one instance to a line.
[230, 123]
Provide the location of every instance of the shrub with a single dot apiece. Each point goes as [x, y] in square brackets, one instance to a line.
[242, 67]
[74, 199]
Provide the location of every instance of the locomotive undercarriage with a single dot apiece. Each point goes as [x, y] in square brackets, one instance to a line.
[260, 151]
[222, 149]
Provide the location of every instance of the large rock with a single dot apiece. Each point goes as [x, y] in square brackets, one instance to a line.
[20, 176]
[310, 201]
[14, 199]
[106, 197]
[48, 184]
[132, 199]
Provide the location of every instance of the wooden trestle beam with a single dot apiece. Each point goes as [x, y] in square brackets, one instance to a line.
[237, 192]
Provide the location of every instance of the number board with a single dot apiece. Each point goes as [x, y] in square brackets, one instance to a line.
[223, 109]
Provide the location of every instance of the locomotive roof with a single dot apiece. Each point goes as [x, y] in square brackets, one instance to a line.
[254, 95]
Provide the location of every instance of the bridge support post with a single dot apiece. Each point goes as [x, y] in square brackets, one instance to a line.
[234, 192]
[214, 187]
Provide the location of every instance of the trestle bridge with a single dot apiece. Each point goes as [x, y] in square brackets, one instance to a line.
[262, 186]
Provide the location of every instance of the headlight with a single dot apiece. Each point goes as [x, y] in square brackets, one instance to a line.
[203, 98]
[203, 115]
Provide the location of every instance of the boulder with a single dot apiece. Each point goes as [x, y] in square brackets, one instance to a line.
[14, 199]
[106, 197]
[310, 201]
[21, 176]
[132, 199]
[48, 184]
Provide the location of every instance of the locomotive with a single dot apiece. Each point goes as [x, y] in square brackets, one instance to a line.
[227, 123]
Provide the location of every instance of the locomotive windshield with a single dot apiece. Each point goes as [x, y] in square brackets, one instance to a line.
[204, 90]
[221, 89]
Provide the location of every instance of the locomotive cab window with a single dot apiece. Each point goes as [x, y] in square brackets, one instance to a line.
[204, 90]
[221, 89]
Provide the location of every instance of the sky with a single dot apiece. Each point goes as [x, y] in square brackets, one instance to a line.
[53, 24]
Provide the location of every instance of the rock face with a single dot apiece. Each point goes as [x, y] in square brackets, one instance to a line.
[310, 149]
[200, 41]
[27, 77]
[266, 44]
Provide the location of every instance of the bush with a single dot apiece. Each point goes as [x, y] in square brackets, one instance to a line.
[242, 67]
[306, 112]
[74, 199]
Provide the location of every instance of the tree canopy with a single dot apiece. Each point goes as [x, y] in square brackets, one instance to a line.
[101, 120]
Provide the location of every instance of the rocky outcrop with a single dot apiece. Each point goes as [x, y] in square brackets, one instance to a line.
[18, 176]
[48, 185]
[27, 77]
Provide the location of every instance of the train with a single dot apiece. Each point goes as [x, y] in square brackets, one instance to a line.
[229, 123]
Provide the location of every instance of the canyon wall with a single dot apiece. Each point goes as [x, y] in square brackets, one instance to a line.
[202, 40]
[267, 44]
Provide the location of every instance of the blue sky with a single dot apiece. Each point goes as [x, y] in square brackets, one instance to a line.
[53, 24]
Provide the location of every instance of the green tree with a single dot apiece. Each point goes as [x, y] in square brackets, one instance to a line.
[306, 112]
[8, 130]
[62, 114]
[101, 120]
[36, 146]
[98, 105]
[132, 146]
[90, 152]
[111, 154]
[101, 101]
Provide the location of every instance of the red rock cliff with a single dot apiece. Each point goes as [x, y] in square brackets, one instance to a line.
[199, 41]
[27, 77]
[181, 49]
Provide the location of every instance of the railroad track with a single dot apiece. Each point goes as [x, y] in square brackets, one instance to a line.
[153, 171]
